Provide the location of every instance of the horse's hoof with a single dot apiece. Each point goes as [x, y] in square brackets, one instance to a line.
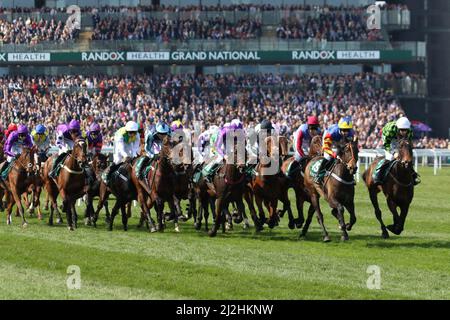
[212, 233]
[183, 218]
[87, 222]
[50, 223]
[344, 238]
[385, 235]
[39, 217]
[125, 228]
[291, 225]
[110, 228]
[59, 221]
[246, 226]
[24, 225]
[46, 208]
[70, 228]
[348, 226]
[107, 220]
[197, 226]
[392, 228]
[326, 239]
[302, 235]
[259, 228]
[177, 229]
[153, 230]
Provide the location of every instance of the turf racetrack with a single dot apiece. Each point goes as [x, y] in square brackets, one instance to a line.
[240, 264]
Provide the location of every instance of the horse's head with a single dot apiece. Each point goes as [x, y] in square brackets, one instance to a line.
[349, 155]
[284, 147]
[26, 160]
[80, 152]
[100, 162]
[405, 154]
[315, 147]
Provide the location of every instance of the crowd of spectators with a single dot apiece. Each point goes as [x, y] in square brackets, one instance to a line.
[209, 99]
[329, 26]
[164, 30]
[32, 31]
[251, 7]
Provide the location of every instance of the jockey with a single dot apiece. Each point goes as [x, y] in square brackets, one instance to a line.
[204, 145]
[392, 132]
[126, 147]
[14, 145]
[220, 149]
[334, 135]
[11, 128]
[302, 140]
[66, 135]
[94, 139]
[154, 139]
[254, 136]
[177, 128]
[41, 140]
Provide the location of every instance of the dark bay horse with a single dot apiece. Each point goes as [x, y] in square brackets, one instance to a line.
[19, 180]
[297, 181]
[70, 183]
[157, 188]
[99, 164]
[338, 189]
[228, 186]
[398, 188]
[122, 187]
[269, 185]
[36, 188]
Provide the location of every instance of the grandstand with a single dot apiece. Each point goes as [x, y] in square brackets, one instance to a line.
[210, 61]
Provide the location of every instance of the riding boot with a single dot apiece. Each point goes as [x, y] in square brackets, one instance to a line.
[292, 168]
[106, 175]
[57, 162]
[378, 177]
[3, 167]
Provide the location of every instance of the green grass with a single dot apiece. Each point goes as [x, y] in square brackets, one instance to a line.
[241, 264]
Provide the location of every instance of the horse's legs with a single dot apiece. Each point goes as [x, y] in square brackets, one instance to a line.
[74, 214]
[351, 210]
[160, 214]
[248, 196]
[340, 218]
[287, 206]
[393, 207]
[311, 211]
[403, 213]
[145, 216]
[20, 208]
[299, 201]
[128, 209]
[316, 204]
[219, 212]
[173, 208]
[262, 216]
[198, 217]
[37, 201]
[9, 207]
[88, 217]
[67, 205]
[114, 212]
[124, 212]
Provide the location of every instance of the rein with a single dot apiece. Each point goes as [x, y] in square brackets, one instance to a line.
[399, 182]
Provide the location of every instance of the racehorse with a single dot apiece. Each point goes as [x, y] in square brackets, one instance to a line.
[38, 184]
[99, 164]
[398, 188]
[70, 183]
[228, 186]
[156, 188]
[297, 181]
[18, 181]
[338, 189]
[268, 186]
[122, 187]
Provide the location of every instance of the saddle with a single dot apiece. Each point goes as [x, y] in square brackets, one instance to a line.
[57, 164]
[6, 169]
[143, 166]
[382, 170]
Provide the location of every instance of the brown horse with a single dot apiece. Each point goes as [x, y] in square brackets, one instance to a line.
[157, 188]
[19, 179]
[297, 181]
[228, 186]
[398, 188]
[35, 189]
[2, 158]
[269, 186]
[338, 189]
[70, 183]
